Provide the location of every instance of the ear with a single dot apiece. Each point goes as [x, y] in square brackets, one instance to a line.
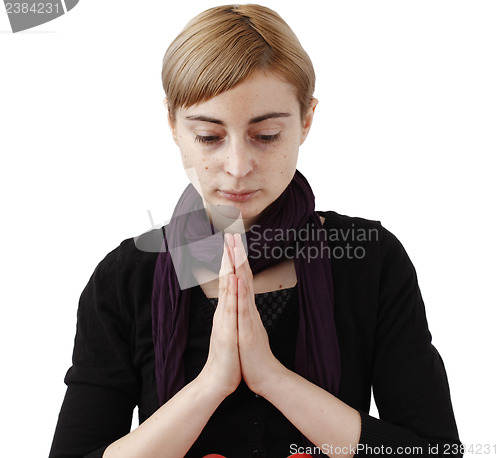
[171, 121]
[308, 119]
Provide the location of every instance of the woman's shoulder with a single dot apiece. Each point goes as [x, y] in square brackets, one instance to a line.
[344, 228]
[367, 236]
[333, 219]
[121, 283]
[133, 258]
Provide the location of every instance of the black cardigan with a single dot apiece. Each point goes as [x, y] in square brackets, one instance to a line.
[384, 341]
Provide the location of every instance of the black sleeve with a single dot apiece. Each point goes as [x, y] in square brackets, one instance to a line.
[102, 386]
[409, 381]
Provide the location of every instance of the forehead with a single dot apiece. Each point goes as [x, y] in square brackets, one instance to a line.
[262, 93]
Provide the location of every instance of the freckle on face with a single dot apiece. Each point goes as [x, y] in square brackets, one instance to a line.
[260, 94]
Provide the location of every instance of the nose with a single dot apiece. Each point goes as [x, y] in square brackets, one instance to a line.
[238, 161]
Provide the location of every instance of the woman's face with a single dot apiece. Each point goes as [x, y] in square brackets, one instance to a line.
[243, 144]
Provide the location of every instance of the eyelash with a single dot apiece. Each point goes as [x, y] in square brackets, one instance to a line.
[207, 138]
[211, 139]
[269, 138]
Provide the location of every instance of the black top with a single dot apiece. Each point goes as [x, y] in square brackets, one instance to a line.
[384, 342]
[255, 426]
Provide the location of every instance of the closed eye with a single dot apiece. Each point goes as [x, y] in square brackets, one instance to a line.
[268, 138]
[207, 138]
[212, 139]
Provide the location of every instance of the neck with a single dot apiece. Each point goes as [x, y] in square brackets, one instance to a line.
[226, 218]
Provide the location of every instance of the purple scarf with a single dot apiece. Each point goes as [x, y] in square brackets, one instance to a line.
[190, 233]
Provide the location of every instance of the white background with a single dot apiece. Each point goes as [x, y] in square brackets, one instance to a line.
[406, 132]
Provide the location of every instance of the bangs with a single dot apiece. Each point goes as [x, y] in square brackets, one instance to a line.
[225, 45]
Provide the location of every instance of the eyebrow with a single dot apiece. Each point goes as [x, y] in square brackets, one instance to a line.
[252, 121]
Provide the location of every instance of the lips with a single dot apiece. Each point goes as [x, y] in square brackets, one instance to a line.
[237, 196]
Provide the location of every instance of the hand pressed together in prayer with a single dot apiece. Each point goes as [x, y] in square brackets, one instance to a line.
[239, 344]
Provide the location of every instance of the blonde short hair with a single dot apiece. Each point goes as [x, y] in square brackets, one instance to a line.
[222, 46]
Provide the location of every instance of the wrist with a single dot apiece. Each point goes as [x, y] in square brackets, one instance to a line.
[273, 381]
[212, 385]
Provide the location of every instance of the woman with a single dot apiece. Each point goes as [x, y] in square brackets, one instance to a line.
[252, 325]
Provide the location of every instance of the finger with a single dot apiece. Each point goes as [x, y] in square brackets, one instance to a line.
[248, 315]
[229, 241]
[243, 269]
[243, 305]
[227, 284]
[230, 303]
[243, 260]
[223, 274]
[227, 264]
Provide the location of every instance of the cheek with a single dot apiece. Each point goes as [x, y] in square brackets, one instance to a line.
[285, 170]
[204, 167]
[185, 160]
[189, 155]
[184, 152]
[285, 164]
[279, 173]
